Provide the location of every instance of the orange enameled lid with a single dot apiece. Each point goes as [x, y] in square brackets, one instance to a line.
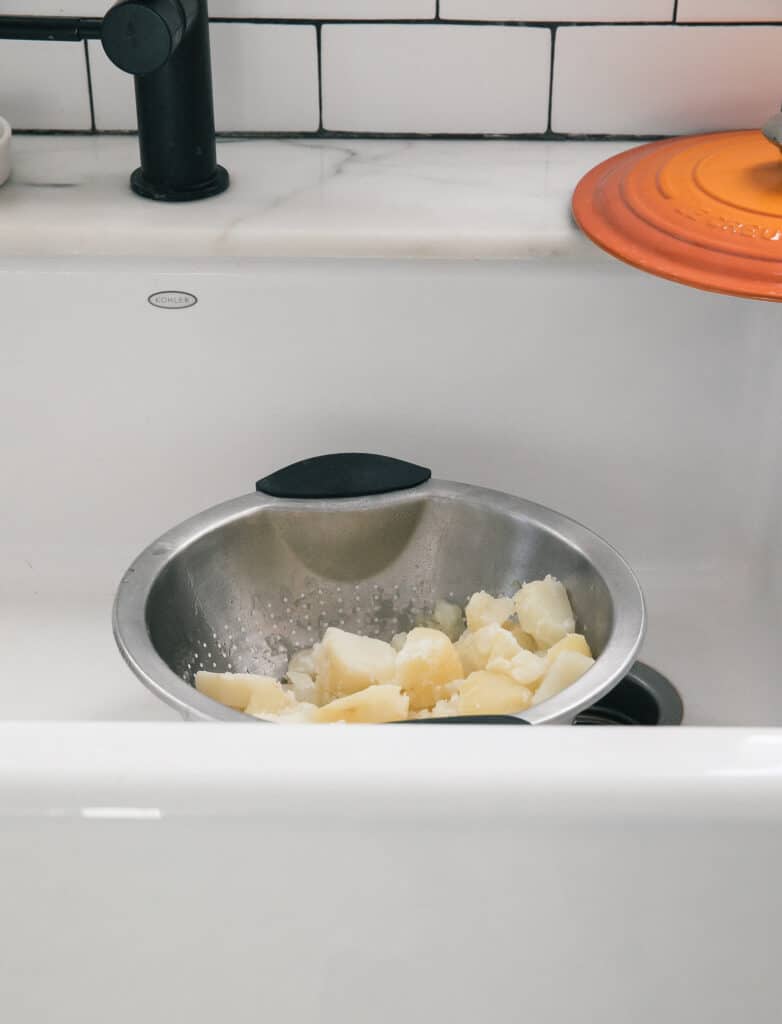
[705, 210]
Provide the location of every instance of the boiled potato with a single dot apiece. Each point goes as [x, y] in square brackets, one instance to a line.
[449, 618]
[484, 610]
[524, 668]
[475, 649]
[380, 703]
[300, 713]
[269, 698]
[234, 689]
[304, 686]
[567, 667]
[504, 646]
[523, 639]
[445, 708]
[346, 663]
[544, 611]
[571, 642]
[398, 641]
[427, 661]
[489, 693]
[303, 661]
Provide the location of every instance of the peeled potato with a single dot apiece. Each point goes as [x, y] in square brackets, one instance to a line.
[523, 639]
[449, 618]
[382, 703]
[544, 611]
[269, 698]
[425, 664]
[303, 661]
[446, 708]
[346, 663]
[524, 668]
[484, 610]
[504, 646]
[489, 693]
[234, 689]
[572, 642]
[475, 649]
[398, 641]
[567, 667]
[300, 713]
[304, 686]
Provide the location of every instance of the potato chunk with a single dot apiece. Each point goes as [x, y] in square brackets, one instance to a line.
[346, 663]
[489, 693]
[544, 611]
[445, 708]
[234, 689]
[301, 713]
[522, 638]
[524, 668]
[572, 642]
[425, 664]
[303, 661]
[304, 686]
[382, 703]
[269, 698]
[474, 649]
[484, 610]
[449, 618]
[567, 667]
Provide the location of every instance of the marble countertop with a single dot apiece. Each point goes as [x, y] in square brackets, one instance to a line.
[68, 195]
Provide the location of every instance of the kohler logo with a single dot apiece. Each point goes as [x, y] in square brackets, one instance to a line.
[172, 300]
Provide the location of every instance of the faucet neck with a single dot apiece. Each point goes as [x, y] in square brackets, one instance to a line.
[174, 101]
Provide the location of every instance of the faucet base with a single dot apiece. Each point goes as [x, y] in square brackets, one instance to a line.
[214, 186]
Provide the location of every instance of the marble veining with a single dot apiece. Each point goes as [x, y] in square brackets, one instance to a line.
[68, 195]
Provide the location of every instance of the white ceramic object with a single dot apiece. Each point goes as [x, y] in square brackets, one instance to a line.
[354, 874]
[5, 150]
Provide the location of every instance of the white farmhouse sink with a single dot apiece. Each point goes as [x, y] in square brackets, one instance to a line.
[160, 871]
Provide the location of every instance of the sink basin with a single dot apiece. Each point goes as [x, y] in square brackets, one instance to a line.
[173, 870]
[644, 410]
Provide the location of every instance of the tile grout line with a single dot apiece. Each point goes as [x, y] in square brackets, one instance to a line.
[551, 77]
[675, 11]
[319, 48]
[89, 85]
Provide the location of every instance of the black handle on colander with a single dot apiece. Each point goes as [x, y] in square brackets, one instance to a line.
[343, 475]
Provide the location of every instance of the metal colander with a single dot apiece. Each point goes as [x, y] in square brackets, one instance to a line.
[244, 585]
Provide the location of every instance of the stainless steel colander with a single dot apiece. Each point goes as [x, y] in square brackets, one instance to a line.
[369, 546]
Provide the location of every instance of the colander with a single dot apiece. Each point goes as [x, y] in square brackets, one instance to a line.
[369, 544]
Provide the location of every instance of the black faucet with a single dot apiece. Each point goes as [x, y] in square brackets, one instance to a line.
[164, 44]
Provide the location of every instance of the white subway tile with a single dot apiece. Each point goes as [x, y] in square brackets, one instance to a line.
[729, 10]
[56, 8]
[435, 78]
[665, 79]
[323, 10]
[44, 85]
[557, 10]
[292, 9]
[265, 79]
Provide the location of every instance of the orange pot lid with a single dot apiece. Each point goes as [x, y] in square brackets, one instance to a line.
[704, 210]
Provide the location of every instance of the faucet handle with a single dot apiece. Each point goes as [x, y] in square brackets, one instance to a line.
[139, 36]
